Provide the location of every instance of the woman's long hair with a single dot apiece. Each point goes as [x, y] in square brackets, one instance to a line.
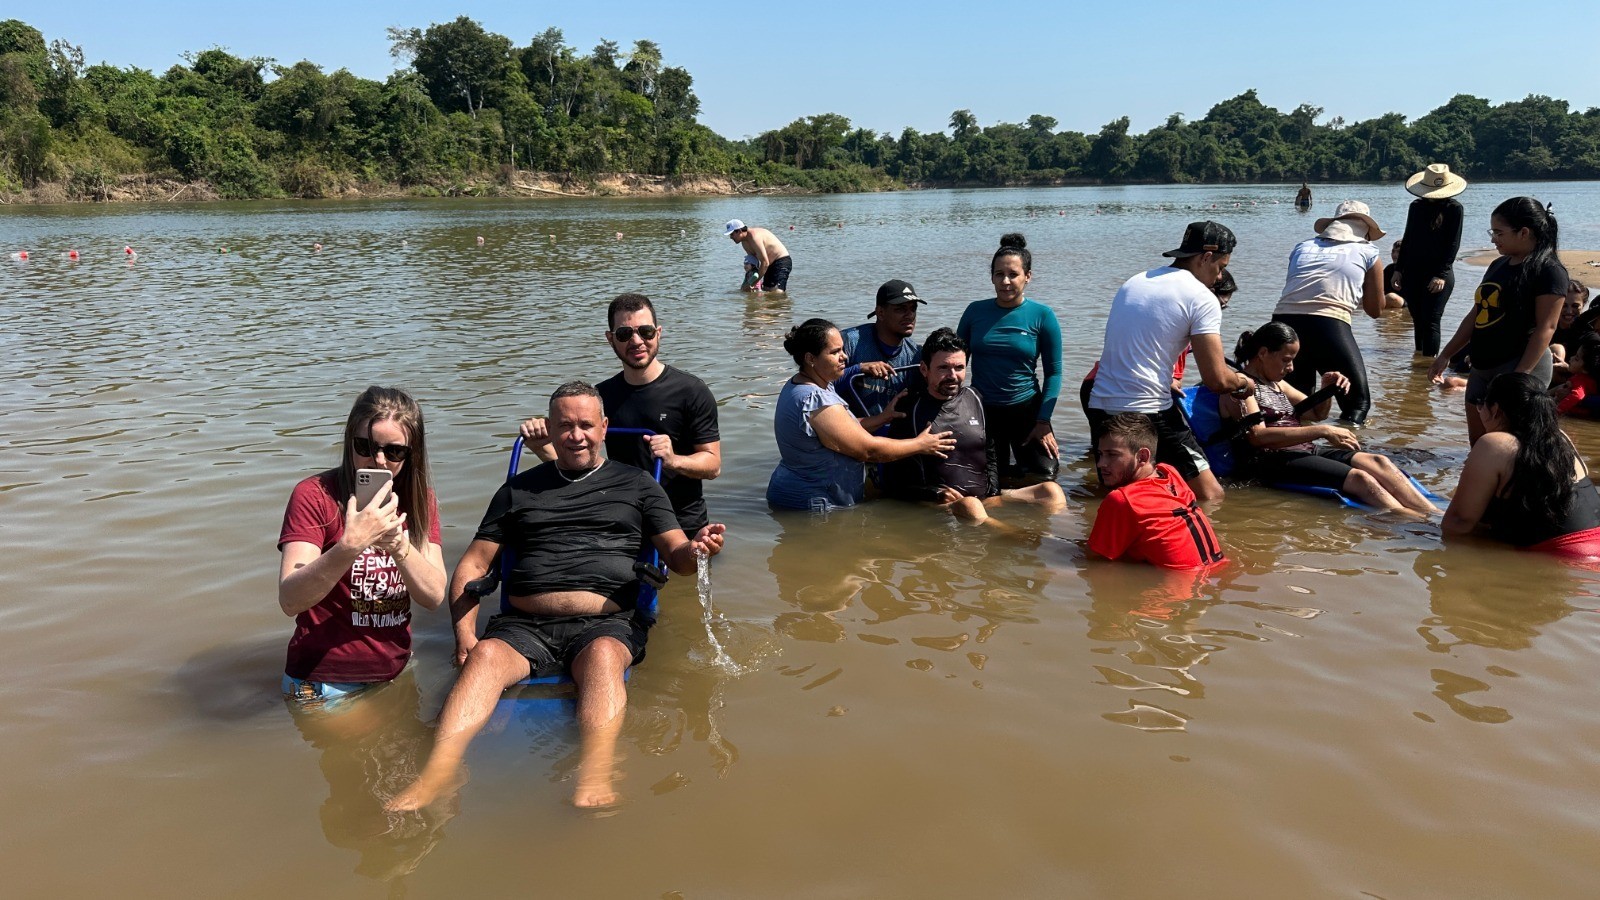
[1541, 478]
[413, 484]
[1526, 212]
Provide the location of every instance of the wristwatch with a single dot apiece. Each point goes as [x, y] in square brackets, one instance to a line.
[1241, 393]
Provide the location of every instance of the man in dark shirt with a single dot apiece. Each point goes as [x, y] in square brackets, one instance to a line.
[880, 350]
[965, 481]
[575, 526]
[650, 394]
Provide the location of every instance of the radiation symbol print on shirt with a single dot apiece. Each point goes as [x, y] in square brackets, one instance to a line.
[1487, 299]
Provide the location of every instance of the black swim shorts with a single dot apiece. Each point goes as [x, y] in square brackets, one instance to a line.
[551, 643]
[777, 277]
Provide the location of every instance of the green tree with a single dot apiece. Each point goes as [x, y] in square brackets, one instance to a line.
[463, 66]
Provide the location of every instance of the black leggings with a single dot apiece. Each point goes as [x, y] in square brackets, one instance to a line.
[1426, 310]
[1019, 459]
[1328, 345]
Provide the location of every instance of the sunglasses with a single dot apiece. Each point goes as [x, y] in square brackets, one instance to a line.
[366, 447]
[626, 332]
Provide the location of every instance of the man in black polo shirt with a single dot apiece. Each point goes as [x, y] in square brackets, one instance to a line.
[965, 481]
[650, 394]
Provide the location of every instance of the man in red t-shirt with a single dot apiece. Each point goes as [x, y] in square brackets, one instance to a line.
[1150, 514]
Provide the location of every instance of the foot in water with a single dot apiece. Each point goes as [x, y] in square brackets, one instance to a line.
[425, 791]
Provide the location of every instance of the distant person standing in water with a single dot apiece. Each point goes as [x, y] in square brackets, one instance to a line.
[1433, 238]
[1011, 339]
[772, 257]
[1302, 198]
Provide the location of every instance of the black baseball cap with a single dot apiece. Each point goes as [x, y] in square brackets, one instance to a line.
[1204, 237]
[895, 293]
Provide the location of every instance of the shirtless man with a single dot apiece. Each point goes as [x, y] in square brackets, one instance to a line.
[772, 257]
[575, 525]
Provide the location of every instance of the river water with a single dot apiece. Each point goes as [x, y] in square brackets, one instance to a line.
[915, 708]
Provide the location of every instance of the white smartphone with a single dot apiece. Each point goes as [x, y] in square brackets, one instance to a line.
[367, 483]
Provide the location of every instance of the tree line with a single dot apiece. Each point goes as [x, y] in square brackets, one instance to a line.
[470, 108]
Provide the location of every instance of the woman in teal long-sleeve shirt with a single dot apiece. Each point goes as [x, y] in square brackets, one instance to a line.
[1012, 338]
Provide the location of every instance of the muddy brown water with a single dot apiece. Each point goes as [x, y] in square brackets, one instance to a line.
[1353, 708]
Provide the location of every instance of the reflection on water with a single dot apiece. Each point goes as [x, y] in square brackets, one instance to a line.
[1350, 707]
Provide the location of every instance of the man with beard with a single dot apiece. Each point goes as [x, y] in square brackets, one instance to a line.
[966, 481]
[879, 349]
[650, 394]
[1150, 515]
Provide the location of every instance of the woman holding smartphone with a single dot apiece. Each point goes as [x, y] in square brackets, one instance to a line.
[350, 569]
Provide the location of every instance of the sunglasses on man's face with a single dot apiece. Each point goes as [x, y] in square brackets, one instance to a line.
[626, 332]
[368, 448]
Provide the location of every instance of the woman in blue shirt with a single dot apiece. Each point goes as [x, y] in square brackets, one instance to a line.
[1010, 338]
[821, 445]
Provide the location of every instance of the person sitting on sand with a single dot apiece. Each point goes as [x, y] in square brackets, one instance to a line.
[966, 481]
[1279, 448]
[1150, 515]
[772, 257]
[576, 526]
[1523, 479]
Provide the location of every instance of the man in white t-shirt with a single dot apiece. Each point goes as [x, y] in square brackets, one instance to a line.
[1155, 315]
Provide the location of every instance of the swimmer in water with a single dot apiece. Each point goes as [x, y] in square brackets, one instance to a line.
[1150, 515]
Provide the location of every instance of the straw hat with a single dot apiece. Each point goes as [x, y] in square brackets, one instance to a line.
[1357, 211]
[1436, 182]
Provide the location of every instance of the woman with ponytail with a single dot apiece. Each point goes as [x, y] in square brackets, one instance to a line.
[1279, 450]
[1523, 478]
[1011, 338]
[1516, 308]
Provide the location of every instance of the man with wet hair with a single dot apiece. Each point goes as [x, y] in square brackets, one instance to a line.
[575, 527]
[1150, 515]
[965, 481]
[772, 257]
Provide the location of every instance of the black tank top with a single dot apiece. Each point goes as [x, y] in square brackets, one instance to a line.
[1510, 524]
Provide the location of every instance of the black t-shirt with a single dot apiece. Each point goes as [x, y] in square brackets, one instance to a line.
[969, 468]
[576, 535]
[1505, 310]
[1432, 240]
[676, 404]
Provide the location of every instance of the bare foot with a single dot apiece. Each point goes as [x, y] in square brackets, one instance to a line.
[595, 793]
[425, 791]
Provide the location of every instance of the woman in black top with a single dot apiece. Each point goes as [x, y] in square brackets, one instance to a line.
[1432, 238]
[1515, 309]
[1524, 479]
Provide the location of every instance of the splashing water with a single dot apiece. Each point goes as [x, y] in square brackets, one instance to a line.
[702, 584]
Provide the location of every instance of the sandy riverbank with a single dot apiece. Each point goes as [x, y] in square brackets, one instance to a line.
[155, 189]
[1583, 265]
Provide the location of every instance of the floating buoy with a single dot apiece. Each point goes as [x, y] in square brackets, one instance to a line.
[480, 240]
[127, 251]
[551, 237]
[72, 254]
[791, 227]
[316, 248]
[1061, 212]
[222, 249]
[404, 242]
[619, 235]
[681, 232]
[21, 255]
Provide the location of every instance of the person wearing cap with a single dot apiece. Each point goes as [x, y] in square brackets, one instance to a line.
[1154, 315]
[966, 480]
[883, 351]
[1433, 238]
[772, 257]
[1331, 275]
[752, 274]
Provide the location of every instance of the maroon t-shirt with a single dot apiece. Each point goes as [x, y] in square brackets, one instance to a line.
[361, 631]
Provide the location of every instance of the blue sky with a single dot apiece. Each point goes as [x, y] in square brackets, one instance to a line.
[890, 64]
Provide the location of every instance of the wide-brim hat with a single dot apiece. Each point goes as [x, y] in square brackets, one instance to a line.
[1436, 182]
[1353, 210]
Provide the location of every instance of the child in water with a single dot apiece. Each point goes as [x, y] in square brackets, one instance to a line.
[1580, 395]
[752, 275]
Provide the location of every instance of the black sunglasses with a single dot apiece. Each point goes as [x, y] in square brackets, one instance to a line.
[366, 447]
[625, 333]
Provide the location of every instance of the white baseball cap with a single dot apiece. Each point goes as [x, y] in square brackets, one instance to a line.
[732, 226]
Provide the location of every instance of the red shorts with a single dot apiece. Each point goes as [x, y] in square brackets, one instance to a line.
[1577, 545]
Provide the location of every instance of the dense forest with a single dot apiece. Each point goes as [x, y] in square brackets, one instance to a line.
[470, 110]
